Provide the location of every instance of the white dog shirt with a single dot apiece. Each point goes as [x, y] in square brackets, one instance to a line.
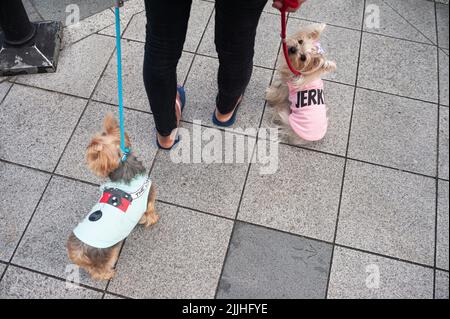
[118, 211]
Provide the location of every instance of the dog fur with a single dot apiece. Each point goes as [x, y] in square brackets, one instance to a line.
[305, 57]
[103, 158]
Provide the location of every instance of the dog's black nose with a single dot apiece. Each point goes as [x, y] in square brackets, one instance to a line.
[292, 50]
[303, 57]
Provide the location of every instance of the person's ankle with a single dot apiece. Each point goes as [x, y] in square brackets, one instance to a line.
[169, 140]
[165, 141]
[225, 117]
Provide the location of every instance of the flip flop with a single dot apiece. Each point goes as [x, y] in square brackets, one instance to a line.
[182, 94]
[232, 119]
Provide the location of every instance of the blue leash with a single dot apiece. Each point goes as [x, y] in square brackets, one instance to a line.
[125, 151]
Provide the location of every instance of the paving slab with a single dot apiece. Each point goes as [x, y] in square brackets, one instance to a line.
[23, 284]
[442, 226]
[441, 289]
[343, 13]
[2, 269]
[302, 197]
[213, 187]
[443, 143]
[394, 131]
[201, 88]
[17, 210]
[389, 70]
[410, 19]
[77, 31]
[179, 257]
[264, 263]
[134, 94]
[138, 125]
[358, 275]
[36, 125]
[388, 212]
[60, 10]
[79, 69]
[43, 247]
[4, 88]
[127, 12]
[443, 76]
[442, 20]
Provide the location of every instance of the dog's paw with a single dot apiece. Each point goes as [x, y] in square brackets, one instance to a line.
[149, 220]
[104, 275]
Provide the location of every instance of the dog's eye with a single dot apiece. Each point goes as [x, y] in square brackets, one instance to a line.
[292, 50]
[300, 42]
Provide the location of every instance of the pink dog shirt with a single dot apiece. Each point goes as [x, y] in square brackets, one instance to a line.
[308, 116]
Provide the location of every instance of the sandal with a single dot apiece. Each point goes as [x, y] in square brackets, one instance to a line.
[182, 94]
[232, 120]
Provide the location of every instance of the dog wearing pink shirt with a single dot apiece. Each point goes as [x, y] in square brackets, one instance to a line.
[299, 101]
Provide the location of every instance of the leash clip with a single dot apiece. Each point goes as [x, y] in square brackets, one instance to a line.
[118, 3]
[125, 152]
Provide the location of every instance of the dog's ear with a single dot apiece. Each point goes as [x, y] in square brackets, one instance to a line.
[111, 127]
[102, 156]
[316, 30]
[110, 124]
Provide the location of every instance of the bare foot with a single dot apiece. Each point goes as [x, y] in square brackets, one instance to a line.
[225, 117]
[167, 141]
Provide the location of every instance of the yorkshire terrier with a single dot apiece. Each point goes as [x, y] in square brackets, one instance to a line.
[299, 102]
[126, 200]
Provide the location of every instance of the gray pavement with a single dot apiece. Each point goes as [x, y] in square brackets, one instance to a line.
[362, 214]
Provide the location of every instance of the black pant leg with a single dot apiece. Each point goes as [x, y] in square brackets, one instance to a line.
[166, 28]
[236, 24]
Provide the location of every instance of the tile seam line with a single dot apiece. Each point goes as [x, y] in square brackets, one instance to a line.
[264, 227]
[244, 221]
[368, 32]
[250, 223]
[346, 154]
[55, 168]
[85, 286]
[158, 150]
[407, 21]
[6, 94]
[335, 26]
[249, 136]
[276, 230]
[89, 102]
[102, 29]
[436, 219]
[25, 229]
[256, 66]
[246, 179]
